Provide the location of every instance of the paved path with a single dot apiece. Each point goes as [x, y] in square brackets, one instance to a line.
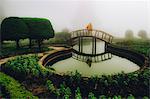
[4, 60]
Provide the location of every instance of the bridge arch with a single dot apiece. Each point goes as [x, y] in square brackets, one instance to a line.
[92, 33]
[77, 39]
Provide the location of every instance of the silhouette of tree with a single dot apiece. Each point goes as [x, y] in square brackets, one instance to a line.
[65, 30]
[142, 34]
[129, 34]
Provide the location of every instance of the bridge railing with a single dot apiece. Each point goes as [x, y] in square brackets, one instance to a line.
[84, 58]
[94, 33]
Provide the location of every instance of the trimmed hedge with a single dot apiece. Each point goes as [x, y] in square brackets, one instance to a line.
[13, 28]
[16, 28]
[39, 28]
[13, 89]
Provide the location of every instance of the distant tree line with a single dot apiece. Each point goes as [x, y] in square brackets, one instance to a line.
[130, 35]
[16, 28]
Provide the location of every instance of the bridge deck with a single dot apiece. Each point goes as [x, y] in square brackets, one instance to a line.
[94, 33]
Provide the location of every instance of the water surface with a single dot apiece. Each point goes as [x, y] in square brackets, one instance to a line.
[112, 66]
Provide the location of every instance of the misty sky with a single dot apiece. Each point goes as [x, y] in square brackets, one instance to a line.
[112, 16]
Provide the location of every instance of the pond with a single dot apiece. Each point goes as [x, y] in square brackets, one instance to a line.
[112, 66]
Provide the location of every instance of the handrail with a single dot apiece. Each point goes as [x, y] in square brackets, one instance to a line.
[94, 33]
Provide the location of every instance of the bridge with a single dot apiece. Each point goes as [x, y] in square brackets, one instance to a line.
[77, 39]
[93, 33]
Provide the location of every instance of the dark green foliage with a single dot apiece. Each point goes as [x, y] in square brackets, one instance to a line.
[12, 89]
[110, 85]
[120, 84]
[52, 89]
[13, 28]
[91, 96]
[50, 86]
[78, 93]
[23, 67]
[39, 28]
[75, 78]
[63, 91]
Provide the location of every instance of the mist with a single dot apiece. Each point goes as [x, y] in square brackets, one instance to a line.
[112, 16]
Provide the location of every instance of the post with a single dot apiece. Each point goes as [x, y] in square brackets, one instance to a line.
[106, 47]
[95, 45]
[102, 57]
[92, 45]
[102, 35]
[81, 44]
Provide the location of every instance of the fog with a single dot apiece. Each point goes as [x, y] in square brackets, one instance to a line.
[112, 16]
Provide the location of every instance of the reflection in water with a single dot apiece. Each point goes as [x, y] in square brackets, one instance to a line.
[114, 65]
[87, 47]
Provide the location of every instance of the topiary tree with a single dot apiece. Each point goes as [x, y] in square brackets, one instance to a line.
[13, 28]
[39, 29]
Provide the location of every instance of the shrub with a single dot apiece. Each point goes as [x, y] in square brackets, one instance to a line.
[78, 93]
[91, 96]
[13, 89]
[23, 67]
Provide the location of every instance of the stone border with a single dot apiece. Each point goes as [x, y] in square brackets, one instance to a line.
[55, 55]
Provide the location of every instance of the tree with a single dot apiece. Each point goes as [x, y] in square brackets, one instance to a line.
[39, 29]
[65, 30]
[142, 34]
[0, 40]
[129, 34]
[63, 36]
[13, 28]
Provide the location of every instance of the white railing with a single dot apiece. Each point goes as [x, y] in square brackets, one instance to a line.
[94, 33]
